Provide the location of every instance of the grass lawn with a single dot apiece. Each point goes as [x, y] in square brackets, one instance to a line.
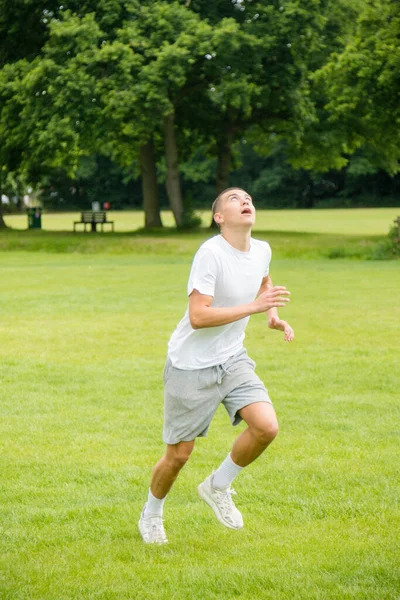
[355, 221]
[83, 342]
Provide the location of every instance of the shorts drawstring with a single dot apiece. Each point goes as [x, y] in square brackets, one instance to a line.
[221, 372]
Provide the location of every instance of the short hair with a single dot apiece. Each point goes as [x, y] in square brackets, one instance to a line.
[215, 205]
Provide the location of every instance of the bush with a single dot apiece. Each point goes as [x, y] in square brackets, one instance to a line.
[189, 219]
[389, 248]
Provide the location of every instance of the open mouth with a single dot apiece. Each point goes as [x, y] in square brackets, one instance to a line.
[246, 211]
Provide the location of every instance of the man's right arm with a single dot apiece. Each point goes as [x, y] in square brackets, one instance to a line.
[202, 314]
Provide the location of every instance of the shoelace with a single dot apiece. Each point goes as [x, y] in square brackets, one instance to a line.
[156, 530]
[225, 499]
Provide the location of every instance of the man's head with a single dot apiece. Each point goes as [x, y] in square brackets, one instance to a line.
[234, 208]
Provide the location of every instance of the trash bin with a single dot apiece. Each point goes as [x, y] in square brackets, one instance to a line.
[35, 218]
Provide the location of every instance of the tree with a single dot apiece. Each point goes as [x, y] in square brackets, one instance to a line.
[61, 100]
[46, 105]
[2, 222]
[259, 75]
[151, 202]
[172, 42]
[12, 145]
[134, 81]
[87, 90]
[256, 76]
[358, 92]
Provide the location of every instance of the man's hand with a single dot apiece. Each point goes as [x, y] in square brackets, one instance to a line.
[274, 297]
[277, 323]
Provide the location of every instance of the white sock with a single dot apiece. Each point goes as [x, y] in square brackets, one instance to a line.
[154, 506]
[225, 474]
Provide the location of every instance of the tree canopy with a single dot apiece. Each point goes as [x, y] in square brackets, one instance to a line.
[184, 92]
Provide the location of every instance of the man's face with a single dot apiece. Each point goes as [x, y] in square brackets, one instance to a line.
[236, 210]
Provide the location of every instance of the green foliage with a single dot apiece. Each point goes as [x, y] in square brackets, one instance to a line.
[310, 86]
[275, 183]
[96, 179]
[256, 72]
[388, 248]
[46, 105]
[361, 87]
[190, 219]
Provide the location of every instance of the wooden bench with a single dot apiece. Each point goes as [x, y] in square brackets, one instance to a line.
[89, 217]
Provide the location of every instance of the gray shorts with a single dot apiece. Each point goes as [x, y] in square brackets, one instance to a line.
[192, 397]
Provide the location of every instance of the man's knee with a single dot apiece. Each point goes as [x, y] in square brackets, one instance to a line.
[178, 454]
[266, 431]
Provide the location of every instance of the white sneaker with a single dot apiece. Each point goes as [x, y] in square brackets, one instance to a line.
[152, 529]
[222, 504]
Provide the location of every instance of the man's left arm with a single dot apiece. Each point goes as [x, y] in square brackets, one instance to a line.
[274, 322]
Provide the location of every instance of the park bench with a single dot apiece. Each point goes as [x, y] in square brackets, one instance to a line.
[93, 218]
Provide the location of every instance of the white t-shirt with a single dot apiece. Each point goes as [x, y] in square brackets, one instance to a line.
[232, 277]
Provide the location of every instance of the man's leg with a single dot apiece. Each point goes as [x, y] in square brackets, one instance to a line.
[167, 469]
[262, 429]
[164, 474]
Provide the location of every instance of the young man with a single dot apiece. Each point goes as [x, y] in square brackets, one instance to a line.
[207, 364]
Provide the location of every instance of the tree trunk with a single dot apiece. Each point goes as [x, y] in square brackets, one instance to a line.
[2, 222]
[151, 202]
[224, 159]
[173, 181]
[224, 165]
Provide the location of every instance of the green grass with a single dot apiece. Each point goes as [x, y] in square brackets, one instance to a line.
[356, 221]
[168, 243]
[83, 341]
[357, 234]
